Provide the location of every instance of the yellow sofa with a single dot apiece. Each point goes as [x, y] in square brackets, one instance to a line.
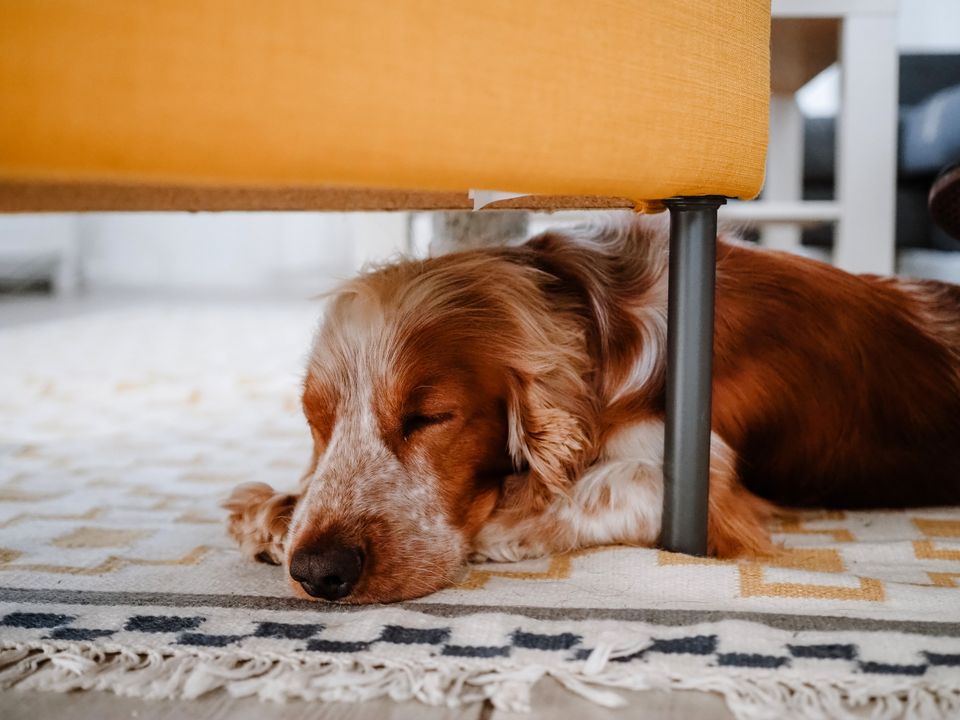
[357, 104]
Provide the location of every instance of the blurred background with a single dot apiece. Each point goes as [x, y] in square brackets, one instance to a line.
[52, 263]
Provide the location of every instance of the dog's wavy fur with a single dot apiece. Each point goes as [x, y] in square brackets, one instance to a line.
[506, 403]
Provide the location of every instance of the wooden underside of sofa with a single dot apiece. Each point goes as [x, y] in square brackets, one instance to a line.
[25, 197]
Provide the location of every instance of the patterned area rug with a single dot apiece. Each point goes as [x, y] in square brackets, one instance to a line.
[121, 432]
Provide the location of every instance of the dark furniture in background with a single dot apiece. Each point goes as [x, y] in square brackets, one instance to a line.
[929, 139]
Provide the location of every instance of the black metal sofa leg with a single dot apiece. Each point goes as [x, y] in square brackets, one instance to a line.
[686, 466]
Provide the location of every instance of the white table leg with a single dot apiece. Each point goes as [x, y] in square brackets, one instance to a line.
[867, 144]
[784, 179]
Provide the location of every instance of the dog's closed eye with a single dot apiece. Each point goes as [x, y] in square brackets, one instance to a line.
[415, 422]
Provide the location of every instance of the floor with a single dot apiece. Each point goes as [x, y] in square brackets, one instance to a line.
[551, 702]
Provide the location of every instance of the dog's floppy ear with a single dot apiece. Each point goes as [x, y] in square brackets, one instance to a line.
[550, 431]
[552, 409]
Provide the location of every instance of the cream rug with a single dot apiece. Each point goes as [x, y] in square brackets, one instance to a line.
[120, 433]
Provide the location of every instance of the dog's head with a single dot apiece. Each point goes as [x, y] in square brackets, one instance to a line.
[438, 393]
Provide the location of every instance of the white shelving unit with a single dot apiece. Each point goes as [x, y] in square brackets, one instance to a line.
[866, 152]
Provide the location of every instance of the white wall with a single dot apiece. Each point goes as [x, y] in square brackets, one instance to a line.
[929, 26]
[289, 253]
[295, 252]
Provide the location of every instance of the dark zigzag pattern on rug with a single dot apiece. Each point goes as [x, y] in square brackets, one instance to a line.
[700, 645]
[665, 617]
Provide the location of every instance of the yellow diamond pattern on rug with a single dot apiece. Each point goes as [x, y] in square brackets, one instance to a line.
[93, 537]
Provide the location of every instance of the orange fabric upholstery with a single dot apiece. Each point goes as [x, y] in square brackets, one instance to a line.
[644, 99]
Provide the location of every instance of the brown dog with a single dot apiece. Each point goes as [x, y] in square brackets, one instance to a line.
[507, 403]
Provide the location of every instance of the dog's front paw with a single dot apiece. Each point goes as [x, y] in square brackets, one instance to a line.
[258, 520]
[505, 551]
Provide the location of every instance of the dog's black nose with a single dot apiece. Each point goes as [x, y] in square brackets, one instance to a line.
[329, 571]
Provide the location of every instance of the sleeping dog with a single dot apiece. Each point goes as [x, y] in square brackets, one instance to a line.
[507, 403]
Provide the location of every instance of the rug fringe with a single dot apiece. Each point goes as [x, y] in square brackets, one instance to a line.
[190, 673]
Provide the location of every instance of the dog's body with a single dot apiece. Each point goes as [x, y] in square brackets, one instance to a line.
[506, 403]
